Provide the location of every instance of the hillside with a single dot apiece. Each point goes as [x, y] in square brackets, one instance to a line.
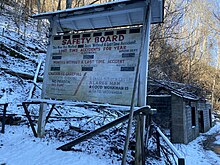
[21, 51]
[19, 56]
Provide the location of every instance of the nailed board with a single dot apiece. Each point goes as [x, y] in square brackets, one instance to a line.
[98, 66]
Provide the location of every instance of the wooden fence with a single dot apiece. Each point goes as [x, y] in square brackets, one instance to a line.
[159, 135]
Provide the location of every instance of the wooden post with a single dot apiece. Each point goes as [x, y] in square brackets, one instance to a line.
[3, 117]
[43, 106]
[138, 154]
[140, 147]
[158, 143]
[142, 95]
[131, 114]
[142, 130]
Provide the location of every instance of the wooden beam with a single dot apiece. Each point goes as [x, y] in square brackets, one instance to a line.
[35, 79]
[48, 116]
[89, 135]
[22, 75]
[29, 119]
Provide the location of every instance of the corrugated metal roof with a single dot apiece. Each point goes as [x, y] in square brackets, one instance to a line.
[114, 14]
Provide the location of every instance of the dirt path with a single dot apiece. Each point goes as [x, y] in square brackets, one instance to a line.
[209, 143]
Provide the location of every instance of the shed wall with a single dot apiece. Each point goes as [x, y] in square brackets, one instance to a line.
[178, 120]
[192, 131]
[163, 106]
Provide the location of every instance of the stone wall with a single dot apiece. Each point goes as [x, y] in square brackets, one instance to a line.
[181, 115]
[205, 108]
[178, 120]
[192, 130]
[163, 106]
[183, 130]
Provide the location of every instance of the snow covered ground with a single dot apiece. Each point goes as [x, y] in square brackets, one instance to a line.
[194, 152]
[19, 147]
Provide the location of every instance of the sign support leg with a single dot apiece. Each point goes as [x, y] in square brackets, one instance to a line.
[42, 120]
[29, 118]
[142, 93]
[43, 107]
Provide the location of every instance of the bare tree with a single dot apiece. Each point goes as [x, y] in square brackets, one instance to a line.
[59, 5]
[69, 4]
[39, 10]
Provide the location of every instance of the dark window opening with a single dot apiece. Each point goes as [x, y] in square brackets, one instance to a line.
[193, 113]
[210, 117]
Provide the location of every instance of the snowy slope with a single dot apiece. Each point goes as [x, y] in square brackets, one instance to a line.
[18, 146]
[20, 52]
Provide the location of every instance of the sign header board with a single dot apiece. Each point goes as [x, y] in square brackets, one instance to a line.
[96, 66]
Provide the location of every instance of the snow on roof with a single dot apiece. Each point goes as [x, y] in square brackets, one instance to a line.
[178, 89]
[185, 96]
[42, 15]
[108, 15]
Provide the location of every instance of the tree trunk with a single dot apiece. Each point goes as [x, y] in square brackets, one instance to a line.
[59, 5]
[38, 10]
[68, 4]
[43, 6]
[216, 73]
[52, 1]
[31, 7]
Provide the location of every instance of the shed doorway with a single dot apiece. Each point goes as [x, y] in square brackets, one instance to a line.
[201, 122]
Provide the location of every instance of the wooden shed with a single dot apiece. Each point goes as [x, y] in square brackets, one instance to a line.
[181, 112]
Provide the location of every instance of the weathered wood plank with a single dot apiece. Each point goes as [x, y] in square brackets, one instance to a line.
[89, 135]
[29, 119]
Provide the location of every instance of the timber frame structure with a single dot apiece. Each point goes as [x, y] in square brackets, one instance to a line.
[116, 14]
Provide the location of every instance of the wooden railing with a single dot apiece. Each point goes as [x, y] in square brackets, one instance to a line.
[160, 135]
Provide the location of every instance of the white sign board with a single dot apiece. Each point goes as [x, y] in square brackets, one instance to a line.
[99, 66]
